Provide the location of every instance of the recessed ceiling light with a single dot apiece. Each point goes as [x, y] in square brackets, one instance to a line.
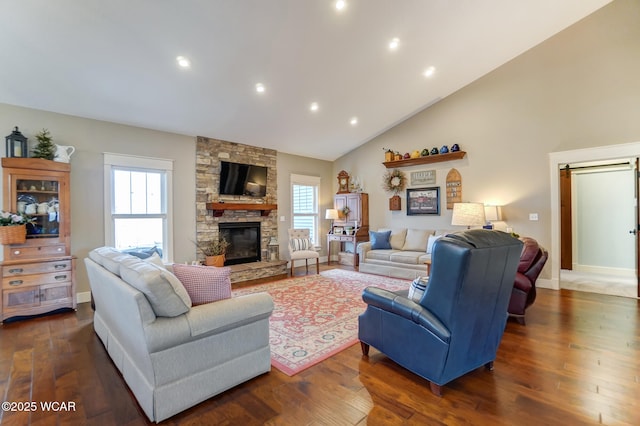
[183, 62]
[394, 43]
[260, 88]
[340, 4]
[429, 72]
[314, 106]
[353, 121]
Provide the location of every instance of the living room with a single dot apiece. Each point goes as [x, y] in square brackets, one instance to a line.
[576, 90]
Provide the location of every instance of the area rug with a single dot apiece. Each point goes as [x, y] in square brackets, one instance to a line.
[316, 316]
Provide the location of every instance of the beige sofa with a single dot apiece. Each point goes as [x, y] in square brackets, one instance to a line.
[407, 256]
[173, 355]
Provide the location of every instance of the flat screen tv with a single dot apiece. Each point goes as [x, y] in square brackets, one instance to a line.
[242, 179]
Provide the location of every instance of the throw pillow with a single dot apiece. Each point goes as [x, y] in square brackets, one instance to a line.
[166, 295]
[431, 241]
[204, 284]
[416, 240]
[380, 240]
[298, 244]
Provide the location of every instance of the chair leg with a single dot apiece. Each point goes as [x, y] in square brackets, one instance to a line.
[365, 348]
[435, 389]
[317, 265]
[306, 263]
[489, 366]
[291, 267]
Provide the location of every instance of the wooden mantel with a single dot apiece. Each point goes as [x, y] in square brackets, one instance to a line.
[217, 209]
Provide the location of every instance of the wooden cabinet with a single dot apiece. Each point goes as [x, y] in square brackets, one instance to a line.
[39, 275]
[357, 219]
[35, 287]
[358, 203]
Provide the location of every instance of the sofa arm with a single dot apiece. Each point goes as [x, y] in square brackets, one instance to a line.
[362, 249]
[210, 318]
[229, 313]
[406, 308]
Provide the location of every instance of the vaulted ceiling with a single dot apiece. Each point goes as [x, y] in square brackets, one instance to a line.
[116, 60]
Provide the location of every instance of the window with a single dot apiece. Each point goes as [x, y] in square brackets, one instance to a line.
[138, 203]
[304, 201]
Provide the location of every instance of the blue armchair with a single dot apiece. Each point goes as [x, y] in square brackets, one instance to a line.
[457, 324]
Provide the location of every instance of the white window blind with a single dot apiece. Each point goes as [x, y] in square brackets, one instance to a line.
[304, 202]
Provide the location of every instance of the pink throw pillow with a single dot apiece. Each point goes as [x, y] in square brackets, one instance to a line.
[204, 284]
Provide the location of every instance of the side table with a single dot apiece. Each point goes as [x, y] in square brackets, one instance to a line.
[342, 239]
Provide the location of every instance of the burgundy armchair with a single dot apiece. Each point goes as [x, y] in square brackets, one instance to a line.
[532, 261]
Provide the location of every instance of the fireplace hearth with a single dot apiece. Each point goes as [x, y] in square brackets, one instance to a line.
[244, 241]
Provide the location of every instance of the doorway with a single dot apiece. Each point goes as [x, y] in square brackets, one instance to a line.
[603, 155]
[597, 252]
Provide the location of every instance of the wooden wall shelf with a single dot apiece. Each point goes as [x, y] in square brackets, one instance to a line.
[217, 209]
[436, 158]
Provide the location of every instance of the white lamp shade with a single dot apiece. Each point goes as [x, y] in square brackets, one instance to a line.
[492, 213]
[331, 214]
[468, 214]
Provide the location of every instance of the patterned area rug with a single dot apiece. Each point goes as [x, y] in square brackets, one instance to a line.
[316, 316]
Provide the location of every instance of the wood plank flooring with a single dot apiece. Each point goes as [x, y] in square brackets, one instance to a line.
[577, 361]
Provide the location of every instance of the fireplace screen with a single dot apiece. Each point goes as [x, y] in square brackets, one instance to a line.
[244, 242]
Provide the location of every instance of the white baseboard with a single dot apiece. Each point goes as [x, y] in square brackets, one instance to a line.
[605, 270]
[548, 283]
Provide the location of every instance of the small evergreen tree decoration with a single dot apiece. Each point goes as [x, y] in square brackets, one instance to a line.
[45, 148]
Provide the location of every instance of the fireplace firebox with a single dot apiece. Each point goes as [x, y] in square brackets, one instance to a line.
[244, 241]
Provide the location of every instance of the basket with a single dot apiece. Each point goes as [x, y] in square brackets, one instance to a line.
[13, 234]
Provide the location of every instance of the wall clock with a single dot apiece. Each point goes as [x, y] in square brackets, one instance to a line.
[343, 182]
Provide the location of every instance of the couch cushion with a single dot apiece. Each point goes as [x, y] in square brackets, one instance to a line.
[380, 240]
[406, 257]
[380, 254]
[204, 284]
[397, 237]
[166, 295]
[109, 258]
[416, 240]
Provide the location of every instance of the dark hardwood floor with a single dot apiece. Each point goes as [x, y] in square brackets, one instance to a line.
[577, 361]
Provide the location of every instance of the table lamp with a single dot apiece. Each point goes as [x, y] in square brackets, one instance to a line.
[333, 215]
[468, 214]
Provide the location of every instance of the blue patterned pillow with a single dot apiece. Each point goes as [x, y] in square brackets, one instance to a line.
[298, 244]
[380, 240]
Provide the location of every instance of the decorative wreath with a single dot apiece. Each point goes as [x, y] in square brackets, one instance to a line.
[394, 181]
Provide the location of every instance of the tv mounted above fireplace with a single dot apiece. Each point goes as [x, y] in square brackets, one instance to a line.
[242, 179]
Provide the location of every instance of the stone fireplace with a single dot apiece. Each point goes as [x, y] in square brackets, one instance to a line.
[209, 153]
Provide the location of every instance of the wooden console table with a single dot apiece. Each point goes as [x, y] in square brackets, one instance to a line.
[354, 239]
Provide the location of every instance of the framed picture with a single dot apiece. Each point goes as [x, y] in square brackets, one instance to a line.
[423, 201]
[424, 177]
[339, 230]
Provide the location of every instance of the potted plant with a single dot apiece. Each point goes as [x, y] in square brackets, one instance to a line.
[46, 148]
[214, 251]
[13, 228]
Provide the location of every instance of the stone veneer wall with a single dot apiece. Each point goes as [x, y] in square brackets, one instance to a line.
[209, 153]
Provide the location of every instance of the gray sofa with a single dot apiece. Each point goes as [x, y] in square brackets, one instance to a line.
[407, 256]
[172, 360]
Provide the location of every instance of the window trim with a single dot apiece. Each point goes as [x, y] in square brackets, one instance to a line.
[296, 179]
[144, 164]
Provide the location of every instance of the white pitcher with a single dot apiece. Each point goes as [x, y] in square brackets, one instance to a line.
[63, 153]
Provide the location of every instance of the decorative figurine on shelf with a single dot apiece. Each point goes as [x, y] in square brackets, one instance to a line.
[455, 147]
[343, 182]
[444, 149]
[434, 151]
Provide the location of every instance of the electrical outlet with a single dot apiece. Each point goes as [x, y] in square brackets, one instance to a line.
[533, 216]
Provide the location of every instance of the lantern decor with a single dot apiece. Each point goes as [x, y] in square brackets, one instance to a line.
[16, 144]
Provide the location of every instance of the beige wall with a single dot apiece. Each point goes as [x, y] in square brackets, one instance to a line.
[91, 138]
[578, 89]
[293, 164]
